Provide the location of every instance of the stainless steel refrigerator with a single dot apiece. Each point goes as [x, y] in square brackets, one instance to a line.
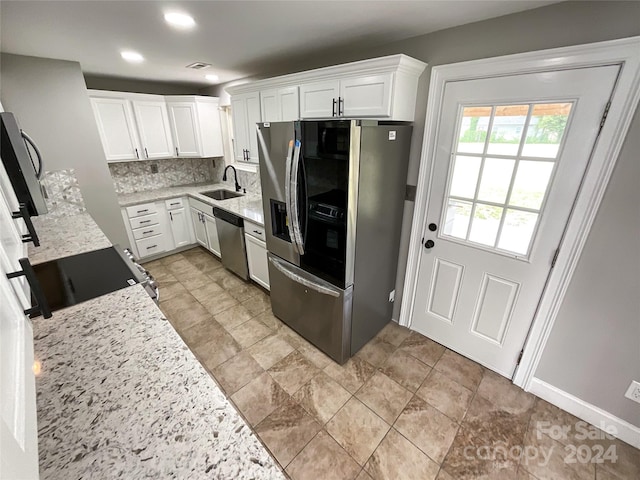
[333, 195]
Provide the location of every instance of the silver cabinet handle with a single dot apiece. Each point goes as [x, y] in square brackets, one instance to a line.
[151, 246]
[145, 152]
[148, 231]
[142, 211]
[137, 156]
[177, 153]
[171, 216]
[145, 221]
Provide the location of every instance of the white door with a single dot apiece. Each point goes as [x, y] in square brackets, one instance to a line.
[18, 428]
[368, 96]
[184, 125]
[288, 103]
[511, 152]
[257, 260]
[179, 227]
[199, 227]
[116, 127]
[212, 234]
[253, 118]
[153, 126]
[269, 105]
[239, 117]
[319, 99]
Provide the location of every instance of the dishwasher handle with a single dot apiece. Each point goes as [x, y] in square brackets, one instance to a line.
[228, 217]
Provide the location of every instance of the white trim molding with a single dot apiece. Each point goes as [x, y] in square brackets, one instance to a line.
[625, 431]
[624, 101]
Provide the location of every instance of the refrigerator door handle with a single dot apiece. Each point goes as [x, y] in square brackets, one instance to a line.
[293, 192]
[301, 277]
[287, 194]
[30, 141]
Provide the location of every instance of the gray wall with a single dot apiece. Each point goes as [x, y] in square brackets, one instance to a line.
[49, 98]
[118, 84]
[568, 23]
[593, 351]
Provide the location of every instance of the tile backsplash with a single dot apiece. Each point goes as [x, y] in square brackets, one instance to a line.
[62, 193]
[132, 177]
[141, 176]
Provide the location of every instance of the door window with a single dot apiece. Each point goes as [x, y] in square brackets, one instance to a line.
[502, 164]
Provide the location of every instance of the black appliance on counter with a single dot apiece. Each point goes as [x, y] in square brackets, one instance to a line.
[71, 280]
[24, 174]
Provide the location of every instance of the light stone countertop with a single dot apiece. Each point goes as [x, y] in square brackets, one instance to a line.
[248, 206]
[62, 237]
[121, 396]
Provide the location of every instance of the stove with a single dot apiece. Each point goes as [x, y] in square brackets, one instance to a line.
[71, 280]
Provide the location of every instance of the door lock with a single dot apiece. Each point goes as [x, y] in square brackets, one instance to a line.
[429, 244]
[433, 227]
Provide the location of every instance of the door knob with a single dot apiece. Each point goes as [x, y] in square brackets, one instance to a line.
[429, 244]
[433, 227]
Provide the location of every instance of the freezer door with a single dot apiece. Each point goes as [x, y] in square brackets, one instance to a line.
[316, 309]
[275, 156]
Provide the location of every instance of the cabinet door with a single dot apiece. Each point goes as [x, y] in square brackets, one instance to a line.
[184, 125]
[289, 105]
[368, 96]
[269, 105]
[253, 118]
[257, 260]
[316, 99]
[199, 227]
[153, 127]
[116, 128]
[210, 129]
[212, 234]
[239, 118]
[179, 227]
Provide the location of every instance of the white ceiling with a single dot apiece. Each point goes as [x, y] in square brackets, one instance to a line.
[239, 38]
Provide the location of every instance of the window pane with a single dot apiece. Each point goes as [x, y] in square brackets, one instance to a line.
[465, 177]
[457, 218]
[473, 129]
[546, 128]
[486, 221]
[506, 132]
[517, 231]
[531, 184]
[496, 177]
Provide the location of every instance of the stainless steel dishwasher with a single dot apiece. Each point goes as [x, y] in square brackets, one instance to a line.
[230, 229]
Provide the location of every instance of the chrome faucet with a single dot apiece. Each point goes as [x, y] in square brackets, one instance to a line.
[235, 176]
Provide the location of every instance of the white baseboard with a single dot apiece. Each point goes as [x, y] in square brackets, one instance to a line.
[585, 411]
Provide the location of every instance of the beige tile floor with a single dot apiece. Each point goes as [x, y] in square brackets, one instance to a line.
[404, 407]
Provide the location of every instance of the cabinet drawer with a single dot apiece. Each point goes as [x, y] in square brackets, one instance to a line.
[142, 209]
[254, 230]
[173, 203]
[145, 232]
[151, 245]
[144, 221]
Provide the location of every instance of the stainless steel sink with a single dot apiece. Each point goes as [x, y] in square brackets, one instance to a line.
[221, 194]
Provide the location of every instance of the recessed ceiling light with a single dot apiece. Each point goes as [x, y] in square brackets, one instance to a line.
[212, 78]
[133, 57]
[179, 20]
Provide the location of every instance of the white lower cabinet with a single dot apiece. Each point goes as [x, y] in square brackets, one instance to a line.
[204, 226]
[256, 254]
[158, 227]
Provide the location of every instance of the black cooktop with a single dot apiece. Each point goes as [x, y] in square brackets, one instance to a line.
[71, 280]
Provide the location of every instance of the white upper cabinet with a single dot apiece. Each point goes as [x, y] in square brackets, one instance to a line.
[368, 96]
[245, 111]
[116, 127]
[153, 126]
[195, 124]
[280, 104]
[353, 97]
[182, 116]
[383, 88]
[319, 99]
